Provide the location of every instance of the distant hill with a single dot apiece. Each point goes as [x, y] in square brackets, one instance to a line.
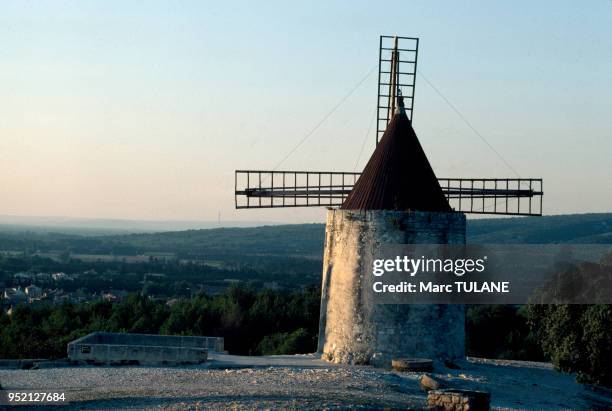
[307, 239]
[570, 228]
[107, 226]
[302, 240]
[291, 240]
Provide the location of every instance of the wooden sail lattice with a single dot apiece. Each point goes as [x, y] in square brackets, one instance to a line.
[273, 189]
[396, 76]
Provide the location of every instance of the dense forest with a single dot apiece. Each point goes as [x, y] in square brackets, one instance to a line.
[101, 275]
[252, 323]
[576, 338]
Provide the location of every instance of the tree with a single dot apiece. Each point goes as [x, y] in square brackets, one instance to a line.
[577, 338]
[500, 331]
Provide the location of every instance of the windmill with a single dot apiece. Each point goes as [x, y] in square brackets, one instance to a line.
[397, 68]
[396, 200]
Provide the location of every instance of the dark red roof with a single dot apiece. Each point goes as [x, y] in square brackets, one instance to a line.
[398, 176]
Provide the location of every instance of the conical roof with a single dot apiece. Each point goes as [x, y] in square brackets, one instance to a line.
[398, 176]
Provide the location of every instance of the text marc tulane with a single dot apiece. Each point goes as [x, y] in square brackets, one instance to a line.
[431, 287]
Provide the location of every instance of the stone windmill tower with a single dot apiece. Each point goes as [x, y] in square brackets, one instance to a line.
[397, 199]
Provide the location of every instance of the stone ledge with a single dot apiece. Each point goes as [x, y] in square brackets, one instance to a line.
[458, 400]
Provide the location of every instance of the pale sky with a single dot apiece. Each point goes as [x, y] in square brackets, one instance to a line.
[143, 110]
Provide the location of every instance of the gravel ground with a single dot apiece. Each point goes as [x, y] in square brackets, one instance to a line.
[194, 388]
[300, 382]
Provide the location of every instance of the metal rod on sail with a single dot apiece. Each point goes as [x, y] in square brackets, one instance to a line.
[393, 79]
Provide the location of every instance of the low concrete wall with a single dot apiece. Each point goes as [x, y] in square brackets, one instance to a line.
[118, 348]
[210, 343]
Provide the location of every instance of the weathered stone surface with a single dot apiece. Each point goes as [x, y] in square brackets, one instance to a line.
[458, 400]
[428, 382]
[354, 330]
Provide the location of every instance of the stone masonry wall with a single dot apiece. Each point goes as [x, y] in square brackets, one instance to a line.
[354, 330]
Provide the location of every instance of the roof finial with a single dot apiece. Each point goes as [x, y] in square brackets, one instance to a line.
[400, 109]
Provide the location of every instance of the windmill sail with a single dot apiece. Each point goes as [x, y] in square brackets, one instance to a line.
[398, 175]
